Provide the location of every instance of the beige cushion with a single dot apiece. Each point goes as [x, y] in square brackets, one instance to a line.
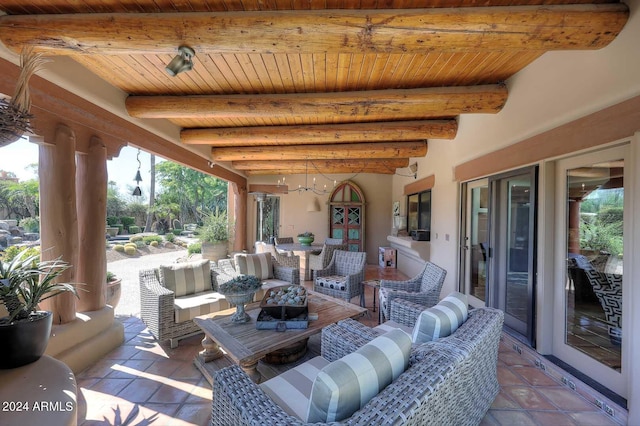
[442, 319]
[187, 308]
[187, 277]
[258, 264]
[291, 390]
[391, 325]
[346, 385]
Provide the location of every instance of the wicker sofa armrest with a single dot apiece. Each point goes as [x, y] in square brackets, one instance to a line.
[156, 302]
[286, 273]
[338, 341]
[412, 285]
[405, 312]
[239, 401]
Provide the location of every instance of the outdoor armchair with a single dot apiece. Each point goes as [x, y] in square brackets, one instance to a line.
[284, 240]
[423, 289]
[321, 260]
[342, 276]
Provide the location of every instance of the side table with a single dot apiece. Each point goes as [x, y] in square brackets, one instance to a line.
[375, 285]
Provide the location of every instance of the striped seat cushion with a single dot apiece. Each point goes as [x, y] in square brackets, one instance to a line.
[391, 325]
[187, 277]
[258, 264]
[346, 385]
[291, 390]
[442, 319]
[187, 308]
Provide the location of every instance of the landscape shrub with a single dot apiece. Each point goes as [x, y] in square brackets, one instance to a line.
[127, 221]
[133, 229]
[177, 231]
[140, 244]
[130, 249]
[194, 248]
[30, 224]
[118, 247]
[112, 220]
[147, 239]
[135, 238]
[153, 243]
[120, 228]
[170, 237]
[12, 251]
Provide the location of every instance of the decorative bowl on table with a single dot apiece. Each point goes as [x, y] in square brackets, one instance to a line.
[285, 302]
[239, 291]
[306, 238]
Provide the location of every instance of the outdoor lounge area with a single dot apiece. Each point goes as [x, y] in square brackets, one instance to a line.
[147, 380]
[490, 148]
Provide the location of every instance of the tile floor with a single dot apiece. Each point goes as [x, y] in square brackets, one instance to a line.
[147, 383]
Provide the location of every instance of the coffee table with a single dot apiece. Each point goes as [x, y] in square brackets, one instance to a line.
[244, 345]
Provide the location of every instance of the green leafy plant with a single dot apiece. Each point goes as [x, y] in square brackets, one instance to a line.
[26, 281]
[30, 224]
[147, 239]
[194, 248]
[170, 237]
[12, 251]
[306, 234]
[215, 228]
[110, 276]
[240, 284]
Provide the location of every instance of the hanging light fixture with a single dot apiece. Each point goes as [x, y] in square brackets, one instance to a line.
[306, 187]
[182, 62]
[138, 192]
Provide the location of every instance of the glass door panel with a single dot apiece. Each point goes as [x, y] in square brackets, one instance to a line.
[475, 244]
[591, 211]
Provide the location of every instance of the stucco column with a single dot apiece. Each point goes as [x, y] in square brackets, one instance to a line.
[237, 202]
[58, 216]
[91, 200]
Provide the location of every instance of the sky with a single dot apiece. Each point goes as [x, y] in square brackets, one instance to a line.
[17, 157]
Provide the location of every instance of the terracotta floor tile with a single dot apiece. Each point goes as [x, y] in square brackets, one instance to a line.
[201, 392]
[504, 401]
[528, 398]
[170, 394]
[162, 367]
[535, 376]
[134, 368]
[552, 418]
[512, 418]
[101, 369]
[514, 359]
[186, 370]
[123, 352]
[139, 390]
[111, 386]
[506, 377]
[198, 414]
[167, 409]
[568, 400]
[592, 419]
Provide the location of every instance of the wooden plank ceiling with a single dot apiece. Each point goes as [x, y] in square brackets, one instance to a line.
[344, 86]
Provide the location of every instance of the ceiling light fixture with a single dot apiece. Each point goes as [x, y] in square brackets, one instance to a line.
[306, 187]
[182, 62]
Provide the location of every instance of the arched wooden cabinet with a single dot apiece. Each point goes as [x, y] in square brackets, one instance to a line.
[346, 221]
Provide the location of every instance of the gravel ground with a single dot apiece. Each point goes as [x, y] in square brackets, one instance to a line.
[127, 269]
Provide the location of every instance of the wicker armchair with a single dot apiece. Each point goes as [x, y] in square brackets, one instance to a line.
[321, 260]
[423, 289]
[284, 240]
[452, 381]
[342, 276]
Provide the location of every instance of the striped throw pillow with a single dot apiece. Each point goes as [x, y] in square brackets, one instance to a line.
[258, 264]
[187, 277]
[442, 319]
[346, 385]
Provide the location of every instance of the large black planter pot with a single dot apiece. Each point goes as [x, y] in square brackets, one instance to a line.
[25, 341]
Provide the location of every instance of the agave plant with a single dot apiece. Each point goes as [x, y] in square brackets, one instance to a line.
[25, 281]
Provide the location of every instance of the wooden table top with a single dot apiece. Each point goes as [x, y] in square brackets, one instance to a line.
[243, 343]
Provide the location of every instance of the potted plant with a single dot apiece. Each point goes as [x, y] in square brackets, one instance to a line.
[25, 281]
[114, 289]
[306, 238]
[238, 291]
[214, 234]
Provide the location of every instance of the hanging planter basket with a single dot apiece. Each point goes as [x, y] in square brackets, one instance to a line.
[14, 113]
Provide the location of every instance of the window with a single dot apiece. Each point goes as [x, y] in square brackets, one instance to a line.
[419, 211]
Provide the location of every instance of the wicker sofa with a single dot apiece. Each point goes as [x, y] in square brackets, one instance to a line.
[451, 381]
[170, 317]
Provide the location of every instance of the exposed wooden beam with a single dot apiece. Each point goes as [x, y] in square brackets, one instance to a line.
[389, 104]
[327, 152]
[543, 27]
[318, 134]
[377, 165]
